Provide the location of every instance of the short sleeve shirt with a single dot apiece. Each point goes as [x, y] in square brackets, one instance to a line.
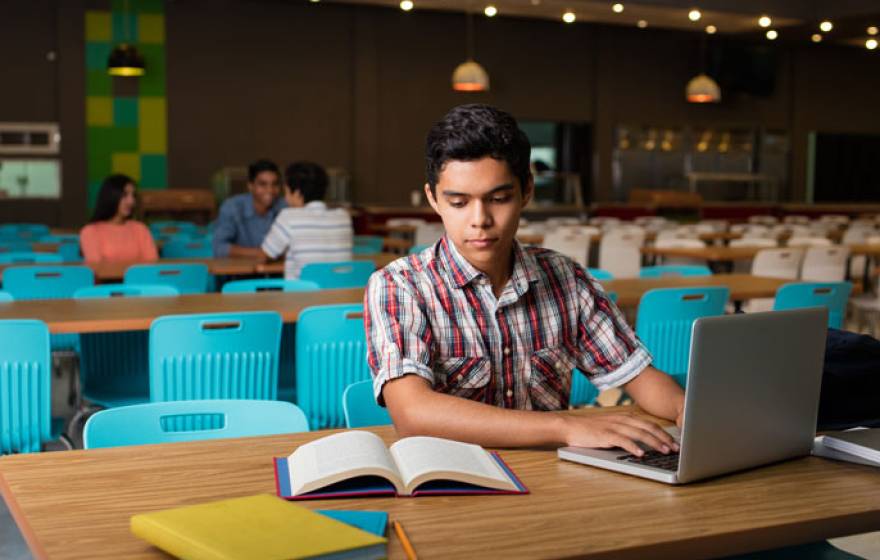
[434, 315]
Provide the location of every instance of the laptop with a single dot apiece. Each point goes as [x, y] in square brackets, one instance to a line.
[752, 398]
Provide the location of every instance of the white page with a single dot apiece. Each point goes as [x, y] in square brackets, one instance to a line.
[336, 455]
[416, 456]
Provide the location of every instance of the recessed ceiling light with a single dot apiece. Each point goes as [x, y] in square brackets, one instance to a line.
[406, 5]
[569, 17]
[711, 29]
[765, 21]
[772, 34]
[694, 15]
[826, 26]
[617, 8]
[872, 30]
[490, 11]
[871, 44]
[817, 37]
[641, 24]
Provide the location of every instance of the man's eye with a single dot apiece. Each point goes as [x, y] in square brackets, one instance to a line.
[500, 199]
[457, 203]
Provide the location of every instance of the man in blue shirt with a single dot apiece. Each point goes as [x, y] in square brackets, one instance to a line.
[245, 219]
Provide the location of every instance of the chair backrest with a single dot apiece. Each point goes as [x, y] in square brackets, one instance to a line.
[331, 351]
[809, 242]
[679, 243]
[30, 258]
[600, 274]
[125, 290]
[6, 296]
[171, 227]
[188, 278]
[674, 270]
[583, 392]
[342, 274]
[391, 222]
[428, 232]
[14, 246]
[367, 244]
[269, 285]
[764, 219]
[419, 248]
[46, 282]
[215, 356]
[624, 235]
[778, 263]
[150, 423]
[360, 407]
[25, 381]
[69, 251]
[187, 249]
[825, 264]
[572, 244]
[832, 295]
[665, 319]
[622, 261]
[796, 219]
[24, 231]
[853, 235]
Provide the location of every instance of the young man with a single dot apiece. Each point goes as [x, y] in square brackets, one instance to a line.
[308, 230]
[244, 219]
[474, 337]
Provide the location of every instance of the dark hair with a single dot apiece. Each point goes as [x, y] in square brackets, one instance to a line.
[308, 178]
[112, 191]
[471, 132]
[260, 166]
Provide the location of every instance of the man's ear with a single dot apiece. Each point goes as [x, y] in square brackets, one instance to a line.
[528, 190]
[430, 196]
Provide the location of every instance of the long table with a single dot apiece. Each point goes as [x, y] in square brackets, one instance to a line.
[77, 504]
[742, 286]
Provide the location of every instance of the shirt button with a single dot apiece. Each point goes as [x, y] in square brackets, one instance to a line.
[506, 351]
[558, 365]
[509, 393]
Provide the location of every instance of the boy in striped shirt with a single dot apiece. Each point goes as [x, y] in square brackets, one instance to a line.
[308, 231]
[474, 337]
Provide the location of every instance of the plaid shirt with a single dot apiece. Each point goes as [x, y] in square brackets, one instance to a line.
[433, 314]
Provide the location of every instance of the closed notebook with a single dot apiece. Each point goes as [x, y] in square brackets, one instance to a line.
[254, 527]
[859, 445]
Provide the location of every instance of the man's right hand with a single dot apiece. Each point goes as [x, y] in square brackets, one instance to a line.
[617, 430]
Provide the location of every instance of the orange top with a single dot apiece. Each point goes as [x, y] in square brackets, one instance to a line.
[109, 242]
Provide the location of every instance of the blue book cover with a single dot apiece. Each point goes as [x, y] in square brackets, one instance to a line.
[371, 521]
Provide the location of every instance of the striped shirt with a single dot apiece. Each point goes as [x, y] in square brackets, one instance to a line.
[313, 233]
[434, 315]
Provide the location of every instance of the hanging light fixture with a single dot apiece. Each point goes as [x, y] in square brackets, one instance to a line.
[469, 75]
[702, 88]
[124, 59]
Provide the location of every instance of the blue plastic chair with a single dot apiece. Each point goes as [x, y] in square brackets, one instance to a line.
[583, 392]
[30, 258]
[674, 270]
[60, 238]
[343, 274]
[6, 296]
[419, 248]
[665, 320]
[600, 274]
[360, 408]
[286, 363]
[25, 381]
[171, 227]
[24, 231]
[14, 246]
[331, 351]
[833, 295]
[367, 245]
[153, 423]
[188, 278]
[46, 282]
[69, 252]
[126, 290]
[178, 248]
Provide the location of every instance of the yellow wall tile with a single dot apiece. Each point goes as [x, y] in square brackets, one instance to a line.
[127, 163]
[99, 111]
[98, 26]
[153, 132]
[151, 28]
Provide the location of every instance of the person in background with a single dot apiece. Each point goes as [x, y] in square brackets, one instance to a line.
[112, 234]
[308, 230]
[245, 219]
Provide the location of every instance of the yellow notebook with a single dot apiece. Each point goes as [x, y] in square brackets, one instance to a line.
[254, 527]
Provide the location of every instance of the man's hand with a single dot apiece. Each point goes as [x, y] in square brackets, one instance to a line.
[617, 430]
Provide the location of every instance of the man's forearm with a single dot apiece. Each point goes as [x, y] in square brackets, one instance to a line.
[656, 393]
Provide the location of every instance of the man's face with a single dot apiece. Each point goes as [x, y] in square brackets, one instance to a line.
[265, 188]
[479, 202]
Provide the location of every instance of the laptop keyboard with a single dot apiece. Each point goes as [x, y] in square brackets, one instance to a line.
[654, 459]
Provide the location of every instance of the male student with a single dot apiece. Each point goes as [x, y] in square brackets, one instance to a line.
[308, 231]
[475, 337]
[244, 219]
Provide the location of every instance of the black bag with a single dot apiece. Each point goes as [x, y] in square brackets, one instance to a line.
[850, 382]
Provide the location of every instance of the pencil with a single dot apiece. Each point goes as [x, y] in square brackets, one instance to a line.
[407, 546]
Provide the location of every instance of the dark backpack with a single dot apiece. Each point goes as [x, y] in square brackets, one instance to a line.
[850, 382]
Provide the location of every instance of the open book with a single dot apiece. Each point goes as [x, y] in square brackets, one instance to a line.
[357, 463]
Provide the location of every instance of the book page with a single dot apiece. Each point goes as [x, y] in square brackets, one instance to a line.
[338, 457]
[420, 459]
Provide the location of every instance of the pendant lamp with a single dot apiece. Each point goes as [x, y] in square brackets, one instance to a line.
[702, 89]
[124, 59]
[469, 75]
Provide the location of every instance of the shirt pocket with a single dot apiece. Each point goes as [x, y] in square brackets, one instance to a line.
[550, 379]
[466, 377]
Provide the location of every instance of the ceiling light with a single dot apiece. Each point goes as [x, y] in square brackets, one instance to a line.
[490, 11]
[711, 29]
[569, 17]
[314, 1]
[125, 60]
[642, 24]
[694, 15]
[765, 21]
[406, 5]
[772, 34]
[817, 37]
[470, 76]
[871, 44]
[872, 30]
[826, 26]
[617, 8]
[702, 89]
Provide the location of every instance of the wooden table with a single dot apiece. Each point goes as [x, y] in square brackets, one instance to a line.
[742, 286]
[77, 504]
[129, 314]
[277, 267]
[710, 254]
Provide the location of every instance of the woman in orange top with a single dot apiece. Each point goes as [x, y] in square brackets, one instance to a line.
[111, 235]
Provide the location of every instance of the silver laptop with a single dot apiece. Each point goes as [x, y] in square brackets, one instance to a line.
[752, 398]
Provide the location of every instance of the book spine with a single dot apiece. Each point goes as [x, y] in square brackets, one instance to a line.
[173, 543]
